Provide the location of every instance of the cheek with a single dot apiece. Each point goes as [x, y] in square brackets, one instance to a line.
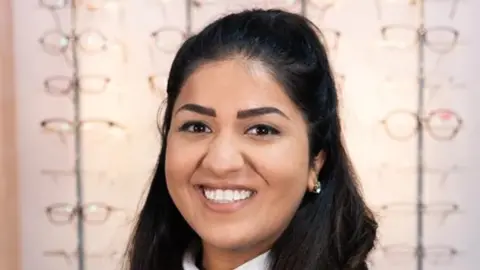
[179, 167]
[285, 169]
[288, 181]
[280, 199]
[284, 164]
[180, 160]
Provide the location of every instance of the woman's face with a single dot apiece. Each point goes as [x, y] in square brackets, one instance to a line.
[237, 163]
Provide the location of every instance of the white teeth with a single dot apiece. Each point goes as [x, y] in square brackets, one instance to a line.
[227, 195]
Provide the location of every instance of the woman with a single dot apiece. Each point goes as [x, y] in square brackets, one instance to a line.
[253, 173]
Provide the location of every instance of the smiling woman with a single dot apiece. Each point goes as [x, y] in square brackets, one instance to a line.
[252, 173]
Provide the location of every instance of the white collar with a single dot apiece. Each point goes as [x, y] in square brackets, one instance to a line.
[258, 263]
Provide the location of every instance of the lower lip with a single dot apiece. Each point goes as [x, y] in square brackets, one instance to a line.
[224, 207]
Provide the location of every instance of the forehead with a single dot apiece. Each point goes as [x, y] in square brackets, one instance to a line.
[234, 84]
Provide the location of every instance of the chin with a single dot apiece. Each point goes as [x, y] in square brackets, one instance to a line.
[228, 239]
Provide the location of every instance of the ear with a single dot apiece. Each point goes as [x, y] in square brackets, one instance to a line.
[315, 170]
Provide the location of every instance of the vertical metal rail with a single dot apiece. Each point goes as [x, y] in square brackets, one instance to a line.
[420, 140]
[303, 7]
[77, 137]
[188, 17]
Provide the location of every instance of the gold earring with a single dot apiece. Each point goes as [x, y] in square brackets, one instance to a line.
[317, 187]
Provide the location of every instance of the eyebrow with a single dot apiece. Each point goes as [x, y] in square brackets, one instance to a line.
[243, 114]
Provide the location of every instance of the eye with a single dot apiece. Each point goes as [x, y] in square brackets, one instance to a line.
[195, 127]
[262, 130]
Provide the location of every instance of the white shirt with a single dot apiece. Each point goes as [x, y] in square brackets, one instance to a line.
[258, 263]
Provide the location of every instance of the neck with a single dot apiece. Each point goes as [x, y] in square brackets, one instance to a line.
[220, 259]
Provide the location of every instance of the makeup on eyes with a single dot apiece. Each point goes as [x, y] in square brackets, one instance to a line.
[261, 129]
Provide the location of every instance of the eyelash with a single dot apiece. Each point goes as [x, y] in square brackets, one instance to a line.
[190, 127]
[271, 131]
[192, 124]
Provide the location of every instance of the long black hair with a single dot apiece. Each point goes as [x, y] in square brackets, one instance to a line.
[334, 230]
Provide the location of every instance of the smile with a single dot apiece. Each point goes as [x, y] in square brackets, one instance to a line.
[226, 200]
[226, 195]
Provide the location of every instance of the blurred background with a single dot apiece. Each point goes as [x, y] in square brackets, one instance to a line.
[81, 88]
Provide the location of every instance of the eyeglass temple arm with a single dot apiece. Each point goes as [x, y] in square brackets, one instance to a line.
[453, 10]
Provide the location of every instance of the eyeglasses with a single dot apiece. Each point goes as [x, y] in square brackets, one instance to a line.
[56, 42]
[61, 125]
[92, 213]
[63, 85]
[331, 38]
[445, 83]
[168, 39]
[439, 39]
[433, 254]
[69, 257]
[443, 173]
[323, 3]
[392, 86]
[443, 209]
[267, 3]
[441, 124]
[158, 84]
[90, 5]
[452, 13]
[56, 174]
[321, 7]
[339, 81]
[200, 3]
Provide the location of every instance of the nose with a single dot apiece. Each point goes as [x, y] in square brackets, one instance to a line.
[223, 156]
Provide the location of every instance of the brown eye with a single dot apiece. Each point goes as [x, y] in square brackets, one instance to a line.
[262, 130]
[195, 127]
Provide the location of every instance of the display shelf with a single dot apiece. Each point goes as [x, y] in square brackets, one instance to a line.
[115, 163]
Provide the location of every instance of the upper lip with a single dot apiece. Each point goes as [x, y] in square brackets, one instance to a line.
[224, 186]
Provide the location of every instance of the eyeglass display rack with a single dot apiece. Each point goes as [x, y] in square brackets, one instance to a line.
[79, 142]
[303, 11]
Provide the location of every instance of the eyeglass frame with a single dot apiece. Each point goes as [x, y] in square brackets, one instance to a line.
[153, 85]
[432, 87]
[421, 122]
[453, 9]
[110, 124]
[339, 81]
[155, 34]
[75, 37]
[422, 34]
[79, 210]
[425, 208]
[421, 251]
[56, 174]
[337, 34]
[201, 3]
[324, 7]
[73, 82]
[69, 256]
[444, 173]
[65, 4]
